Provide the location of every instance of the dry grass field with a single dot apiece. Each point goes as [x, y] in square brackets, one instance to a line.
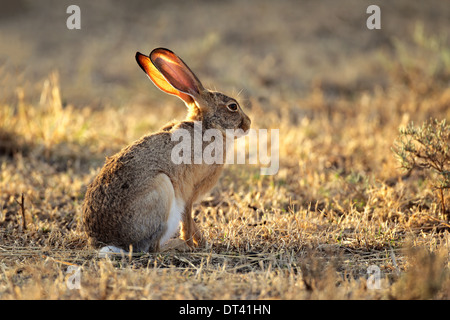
[339, 206]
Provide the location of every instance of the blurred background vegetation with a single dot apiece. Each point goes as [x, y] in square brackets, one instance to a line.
[263, 48]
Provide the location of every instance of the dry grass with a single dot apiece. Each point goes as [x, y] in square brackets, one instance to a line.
[338, 205]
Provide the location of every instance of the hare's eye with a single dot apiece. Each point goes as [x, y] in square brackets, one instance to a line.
[232, 107]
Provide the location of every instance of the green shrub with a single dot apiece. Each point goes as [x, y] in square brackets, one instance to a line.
[427, 147]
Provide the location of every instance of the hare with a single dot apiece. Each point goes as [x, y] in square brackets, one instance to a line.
[140, 197]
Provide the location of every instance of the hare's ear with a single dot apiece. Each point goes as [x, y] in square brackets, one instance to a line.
[158, 79]
[169, 73]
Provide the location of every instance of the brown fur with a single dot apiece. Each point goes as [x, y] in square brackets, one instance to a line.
[128, 203]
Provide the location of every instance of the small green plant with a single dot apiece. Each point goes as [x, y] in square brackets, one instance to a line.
[427, 147]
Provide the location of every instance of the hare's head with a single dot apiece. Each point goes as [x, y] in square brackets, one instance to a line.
[170, 74]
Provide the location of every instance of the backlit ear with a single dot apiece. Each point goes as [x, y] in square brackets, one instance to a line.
[158, 79]
[176, 72]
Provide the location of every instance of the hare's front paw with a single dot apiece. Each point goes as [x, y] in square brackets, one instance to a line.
[199, 240]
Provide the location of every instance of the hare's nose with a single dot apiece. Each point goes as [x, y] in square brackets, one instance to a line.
[245, 123]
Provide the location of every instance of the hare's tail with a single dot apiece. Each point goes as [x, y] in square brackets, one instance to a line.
[111, 251]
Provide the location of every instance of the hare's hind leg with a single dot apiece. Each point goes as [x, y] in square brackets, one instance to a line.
[160, 215]
[176, 244]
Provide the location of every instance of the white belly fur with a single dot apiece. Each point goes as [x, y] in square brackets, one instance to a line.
[173, 222]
